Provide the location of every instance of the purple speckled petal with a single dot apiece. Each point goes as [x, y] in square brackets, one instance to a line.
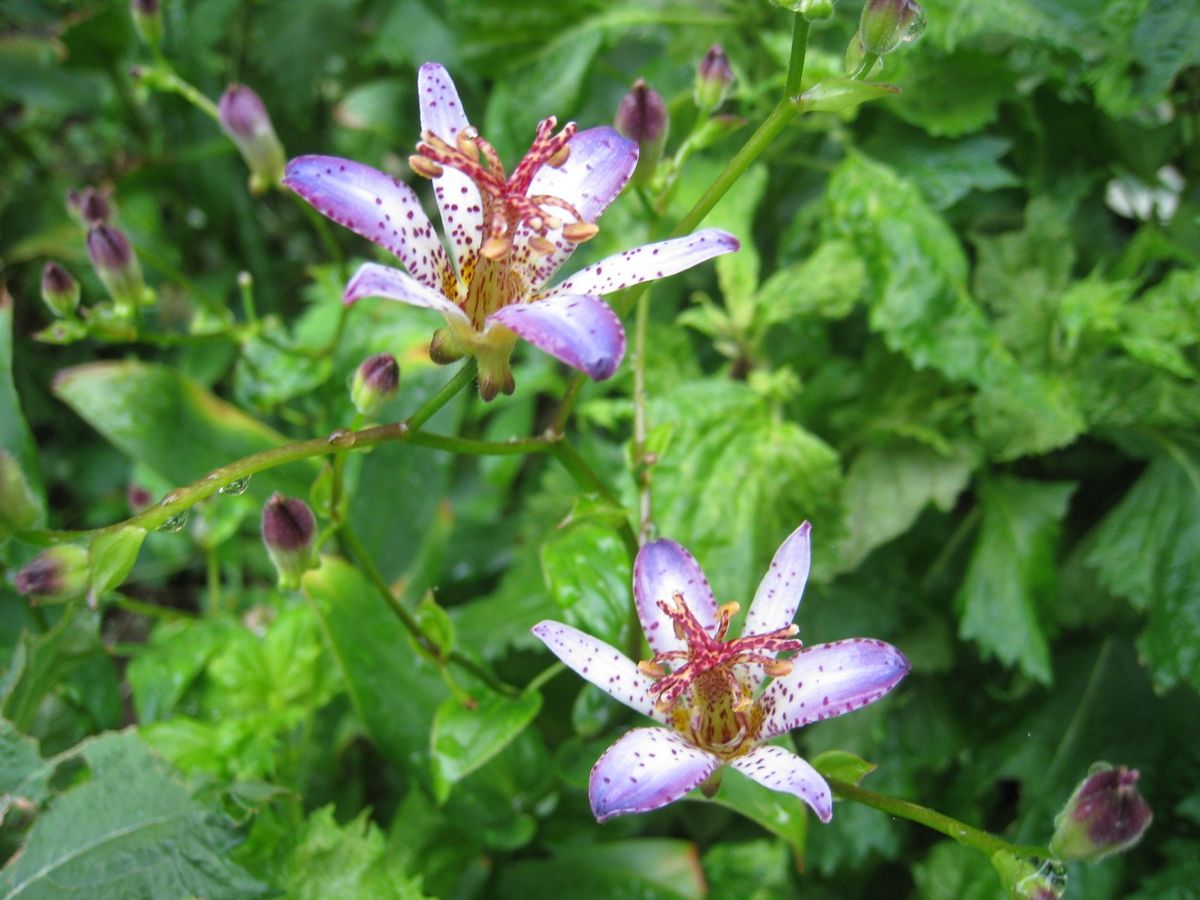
[582, 331]
[829, 680]
[456, 194]
[374, 280]
[599, 166]
[648, 262]
[606, 668]
[780, 770]
[646, 769]
[374, 205]
[661, 570]
[778, 596]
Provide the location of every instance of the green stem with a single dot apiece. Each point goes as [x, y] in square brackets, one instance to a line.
[578, 469]
[212, 559]
[642, 463]
[983, 841]
[172, 82]
[462, 378]
[318, 223]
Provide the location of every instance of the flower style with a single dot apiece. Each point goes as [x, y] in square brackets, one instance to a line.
[508, 234]
[705, 689]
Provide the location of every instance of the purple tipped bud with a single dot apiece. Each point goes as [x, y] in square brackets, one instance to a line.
[885, 23]
[60, 290]
[115, 263]
[55, 575]
[90, 206]
[643, 117]
[1106, 814]
[246, 121]
[147, 19]
[376, 381]
[713, 79]
[289, 532]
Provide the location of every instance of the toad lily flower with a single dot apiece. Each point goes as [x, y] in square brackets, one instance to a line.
[508, 234]
[704, 689]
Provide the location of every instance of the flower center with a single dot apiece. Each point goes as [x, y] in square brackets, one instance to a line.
[506, 200]
[708, 691]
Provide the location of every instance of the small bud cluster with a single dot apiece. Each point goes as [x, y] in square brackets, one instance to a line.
[375, 381]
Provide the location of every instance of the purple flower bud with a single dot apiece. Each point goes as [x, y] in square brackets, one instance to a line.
[246, 121]
[138, 498]
[643, 117]
[60, 290]
[713, 79]
[289, 532]
[90, 206]
[1106, 814]
[147, 20]
[55, 575]
[376, 381]
[885, 23]
[115, 263]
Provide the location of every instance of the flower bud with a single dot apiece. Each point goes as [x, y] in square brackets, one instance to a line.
[1106, 814]
[60, 290]
[55, 575]
[147, 19]
[289, 532]
[375, 381]
[713, 79]
[245, 120]
[643, 117]
[885, 23]
[138, 498]
[89, 206]
[115, 263]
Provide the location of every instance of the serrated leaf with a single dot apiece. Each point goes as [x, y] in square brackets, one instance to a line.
[1012, 570]
[465, 738]
[111, 556]
[131, 830]
[827, 285]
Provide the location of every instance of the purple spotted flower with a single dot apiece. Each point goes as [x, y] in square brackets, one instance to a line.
[706, 691]
[508, 233]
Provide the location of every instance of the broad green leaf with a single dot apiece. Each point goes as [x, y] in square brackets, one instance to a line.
[950, 95]
[647, 868]
[24, 776]
[394, 690]
[783, 815]
[173, 425]
[827, 285]
[1145, 551]
[843, 765]
[945, 171]
[111, 556]
[167, 665]
[41, 661]
[955, 872]
[747, 870]
[588, 572]
[465, 738]
[131, 830]
[1012, 572]
[15, 438]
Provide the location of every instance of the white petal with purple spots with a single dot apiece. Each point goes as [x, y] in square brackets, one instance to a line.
[661, 570]
[645, 769]
[374, 280]
[647, 263]
[582, 331]
[374, 205]
[830, 680]
[606, 668]
[778, 595]
[780, 770]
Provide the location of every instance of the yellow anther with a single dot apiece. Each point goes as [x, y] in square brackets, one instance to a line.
[465, 141]
[424, 167]
[729, 610]
[553, 222]
[578, 232]
[777, 668]
[495, 248]
[556, 161]
[651, 669]
[541, 246]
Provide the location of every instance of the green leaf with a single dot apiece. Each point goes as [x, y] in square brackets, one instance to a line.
[24, 776]
[843, 765]
[111, 556]
[783, 815]
[1012, 571]
[166, 421]
[19, 507]
[945, 171]
[15, 438]
[463, 738]
[649, 869]
[827, 285]
[955, 872]
[748, 870]
[132, 830]
[737, 273]
[841, 94]
[588, 572]
[950, 96]
[1145, 551]
[167, 666]
[394, 690]
[41, 661]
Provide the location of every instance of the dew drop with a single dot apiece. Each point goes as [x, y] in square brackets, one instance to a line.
[235, 488]
[342, 437]
[915, 28]
[175, 523]
[171, 497]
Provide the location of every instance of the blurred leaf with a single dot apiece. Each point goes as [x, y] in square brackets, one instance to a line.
[40, 662]
[465, 738]
[131, 830]
[783, 815]
[1146, 551]
[588, 573]
[23, 775]
[394, 691]
[649, 868]
[955, 872]
[167, 665]
[270, 370]
[162, 419]
[15, 437]
[843, 765]
[411, 34]
[1012, 569]
[749, 870]
[946, 171]
[827, 285]
[111, 556]
[737, 273]
[950, 96]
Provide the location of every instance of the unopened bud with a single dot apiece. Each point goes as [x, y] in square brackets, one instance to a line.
[375, 381]
[138, 498]
[60, 290]
[1106, 814]
[246, 121]
[115, 263]
[289, 532]
[147, 20]
[713, 79]
[885, 23]
[642, 117]
[18, 506]
[89, 206]
[55, 575]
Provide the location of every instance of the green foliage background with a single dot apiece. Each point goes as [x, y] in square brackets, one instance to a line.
[961, 338]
